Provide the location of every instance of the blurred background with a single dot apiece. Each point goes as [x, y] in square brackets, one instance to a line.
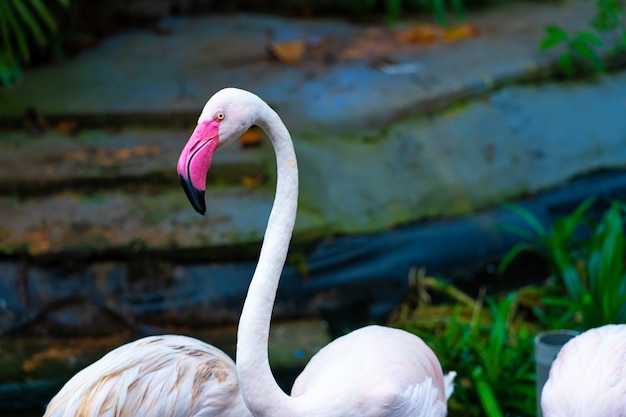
[461, 176]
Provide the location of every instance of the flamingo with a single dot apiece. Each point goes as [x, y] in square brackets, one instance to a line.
[370, 372]
[167, 375]
[588, 376]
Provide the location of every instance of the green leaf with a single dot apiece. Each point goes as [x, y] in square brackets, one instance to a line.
[486, 394]
[9, 72]
[439, 8]
[609, 15]
[583, 49]
[30, 22]
[459, 8]
[393, 10]
[44, 14]
[554, 36]
[552, 301]
[606, 266]
[572, 282]
[566, 64]
[16, 30]
[520, 231]
[577, 218]
[500, 313]
[7, 47]
[21, 23]
[528, 217]
[512, 254]
[589, 38]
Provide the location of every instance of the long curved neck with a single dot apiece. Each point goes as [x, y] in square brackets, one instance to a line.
[260, 391]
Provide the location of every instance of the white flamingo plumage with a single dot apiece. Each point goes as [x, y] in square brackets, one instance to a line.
[372, 372]
[154, 376]
[588, 376]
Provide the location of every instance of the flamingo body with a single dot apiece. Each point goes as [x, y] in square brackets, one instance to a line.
[156, 376]
[588, 376]
[375, 371]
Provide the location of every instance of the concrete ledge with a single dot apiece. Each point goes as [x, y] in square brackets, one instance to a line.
[94, 160]
[140, 73]
[517, 140]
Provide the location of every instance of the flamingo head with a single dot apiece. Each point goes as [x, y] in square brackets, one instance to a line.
[225, 117]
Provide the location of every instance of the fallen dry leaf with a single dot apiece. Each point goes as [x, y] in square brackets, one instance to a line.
[111, 157]
[458, 33]
[251, 138]
[53, 353]
[428, 34]
[288, 52]
[38, 241]
[251, 181]
[68, 126]
[152, 150]
[419, 33]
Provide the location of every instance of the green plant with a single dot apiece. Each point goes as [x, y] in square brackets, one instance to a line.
[610, 15]
[587, 257]
[597, 280]
[582, 49]
[439, 7]
[582, 45]
[554, 242]
[22, 24]
[486, 341]
[547, 303]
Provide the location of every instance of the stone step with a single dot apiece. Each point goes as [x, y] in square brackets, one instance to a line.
[117, 222]
[520, 140]
[95, 159]
[339, 86]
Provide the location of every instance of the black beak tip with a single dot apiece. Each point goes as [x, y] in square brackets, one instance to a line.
[195, 196]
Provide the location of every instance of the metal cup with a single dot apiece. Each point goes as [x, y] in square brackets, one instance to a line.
[547, 346]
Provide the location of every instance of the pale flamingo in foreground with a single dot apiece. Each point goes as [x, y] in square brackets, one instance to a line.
[155, 376]
[372, 372]
[588, 376]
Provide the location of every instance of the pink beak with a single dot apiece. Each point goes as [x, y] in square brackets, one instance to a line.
[195, 160]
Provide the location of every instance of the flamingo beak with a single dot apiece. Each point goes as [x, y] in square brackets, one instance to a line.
[195, 160]
[195, 196]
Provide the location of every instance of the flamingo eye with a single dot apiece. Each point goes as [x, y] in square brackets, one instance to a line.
[220, 115]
